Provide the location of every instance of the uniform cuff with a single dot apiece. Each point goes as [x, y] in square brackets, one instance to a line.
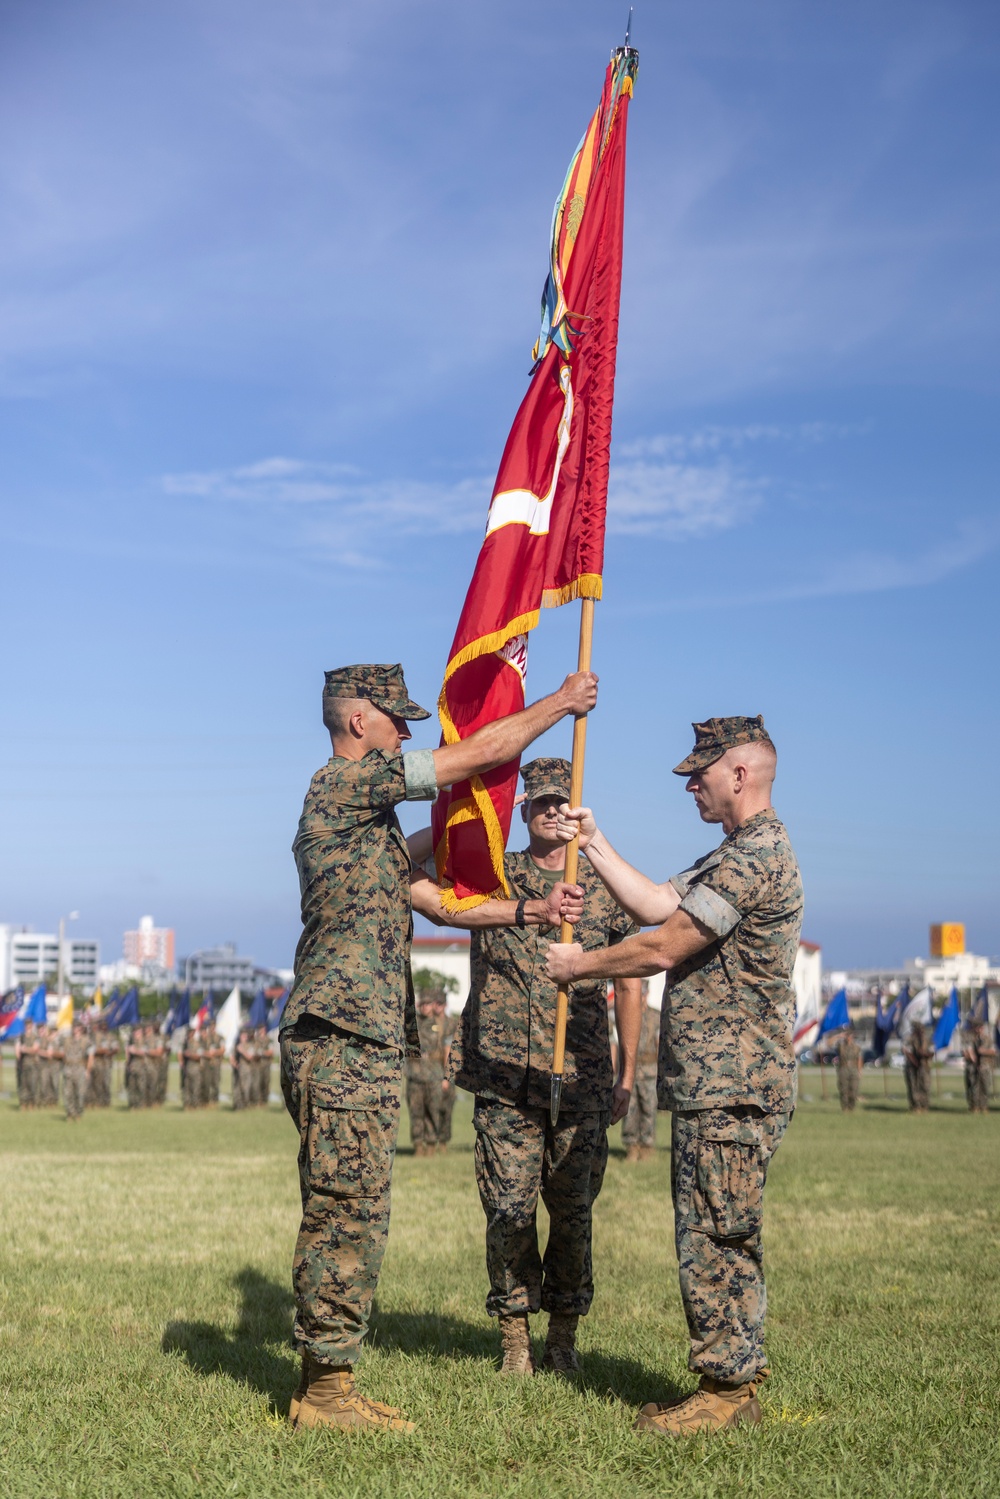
[711, 909]
[419, 776]
[681, 884]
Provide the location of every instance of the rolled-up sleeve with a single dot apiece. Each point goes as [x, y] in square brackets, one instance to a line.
[419, 776]
[711, 909]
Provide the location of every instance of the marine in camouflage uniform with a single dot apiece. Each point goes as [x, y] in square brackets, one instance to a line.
[980, 1055]
[848, 1071]
[639, 1124]
[211, 1065]
[135, 1068]
[28, 1053]
[77, 1054]
[192, 1061]
[243, 1070]
[105, 1049]
[351, 1012]
[159, 1067]
[729, 935]
[448, 1090]
[262, 1069]
[49, 1068]
[503, 1054]
[917, 1057]
[424, 1078]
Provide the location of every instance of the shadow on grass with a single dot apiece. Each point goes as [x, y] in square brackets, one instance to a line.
[615, 1378]
[256, 1352]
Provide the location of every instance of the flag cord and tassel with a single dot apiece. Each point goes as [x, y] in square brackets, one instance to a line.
[572, 857]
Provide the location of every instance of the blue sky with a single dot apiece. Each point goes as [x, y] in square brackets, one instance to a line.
[270, 277]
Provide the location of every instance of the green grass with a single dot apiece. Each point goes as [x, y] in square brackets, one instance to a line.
[145, 1312]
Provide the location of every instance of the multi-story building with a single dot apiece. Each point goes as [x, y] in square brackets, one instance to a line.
[150, 946]
[218, 968]
[27, 958]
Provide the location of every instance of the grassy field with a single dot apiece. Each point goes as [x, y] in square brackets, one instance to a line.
[145, 1313]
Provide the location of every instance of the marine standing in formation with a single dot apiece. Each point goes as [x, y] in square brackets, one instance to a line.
[503, 1054]
[425, 1078]
[848, 1070]
[979, 1054]
[639, 1124]
[77, 1057]
[917, 1057]
[50, 1063]
[27, 1053]
[192, 1061]
[728, 933]
[105, 1050]
[351, 1013]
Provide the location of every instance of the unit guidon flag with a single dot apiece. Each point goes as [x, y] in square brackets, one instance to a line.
[544, 541]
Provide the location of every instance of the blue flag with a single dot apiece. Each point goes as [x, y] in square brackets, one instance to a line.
[179, 1014]
[258, 1010]
[835, 1016]
[124, 1012]
[111, 1009]
[277, 1010]
[981, 1009]
[32, 1010]
[11, 1004]
[947, 1022]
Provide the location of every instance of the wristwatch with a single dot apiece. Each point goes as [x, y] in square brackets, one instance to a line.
[519, 913]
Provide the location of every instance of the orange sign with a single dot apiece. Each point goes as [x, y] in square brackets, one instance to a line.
[947, 939]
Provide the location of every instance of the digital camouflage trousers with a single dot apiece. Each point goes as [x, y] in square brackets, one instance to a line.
[425, 1101]
[74, 1091]
[639, 1124]
[848, 1084]
[519, 1155]
[719, 1161]
[343, 1093]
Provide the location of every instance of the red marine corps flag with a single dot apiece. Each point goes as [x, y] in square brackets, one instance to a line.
[544, 541]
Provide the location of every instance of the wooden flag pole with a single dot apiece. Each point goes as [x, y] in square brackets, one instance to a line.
[572, 856]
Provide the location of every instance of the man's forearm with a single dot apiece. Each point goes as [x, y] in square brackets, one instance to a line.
[497, 743]
[426, 898]
[644, 900]
[628, 1018]
[648, 953]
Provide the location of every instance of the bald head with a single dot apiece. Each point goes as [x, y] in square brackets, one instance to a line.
[737, 786]
[758, 760]
[356, 726]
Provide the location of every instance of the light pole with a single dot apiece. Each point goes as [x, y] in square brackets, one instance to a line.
[73, 916]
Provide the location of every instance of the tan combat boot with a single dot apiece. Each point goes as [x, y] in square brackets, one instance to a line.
[713, 1407]
[634, 1153]
[560, 1345]
[333, 1399]
[299, 1391]
[517, 1355]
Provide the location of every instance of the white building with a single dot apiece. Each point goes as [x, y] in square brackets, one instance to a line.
[27, 958]
[966, 970]
[150, 946]
[219, 968]
[448, 956]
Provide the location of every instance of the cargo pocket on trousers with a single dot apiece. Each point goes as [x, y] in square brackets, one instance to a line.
[346, 1154]
[729, 1177]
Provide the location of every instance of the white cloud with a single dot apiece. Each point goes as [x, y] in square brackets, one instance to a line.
[343, 509]
[714, 439]
[679, 499]
[858, 572]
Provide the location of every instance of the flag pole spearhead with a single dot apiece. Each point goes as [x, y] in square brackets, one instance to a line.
[555, 1098]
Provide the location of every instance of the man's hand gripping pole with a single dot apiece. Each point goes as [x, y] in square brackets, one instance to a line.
[572, 857]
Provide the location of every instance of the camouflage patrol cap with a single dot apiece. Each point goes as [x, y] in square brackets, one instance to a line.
[716, 735]
[381, 684]
[546, 776]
